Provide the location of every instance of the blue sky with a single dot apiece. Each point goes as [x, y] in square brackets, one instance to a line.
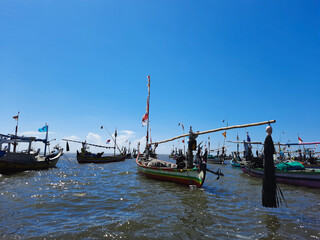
[77, 65]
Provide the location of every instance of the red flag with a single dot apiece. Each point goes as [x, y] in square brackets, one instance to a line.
[108, 141]
[183, 141]
[300, 139]
[146, 115]
[16, 117]
[145, 119]
[224, 134]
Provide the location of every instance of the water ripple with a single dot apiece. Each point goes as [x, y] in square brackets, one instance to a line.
[114, 201]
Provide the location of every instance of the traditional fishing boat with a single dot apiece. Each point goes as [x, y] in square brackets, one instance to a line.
[219, 159]
[14, 161]
[87, 157]
[84, 156]
[188, 170]
[236, 160]
[235, 163]
[306, 177]
[162, 170]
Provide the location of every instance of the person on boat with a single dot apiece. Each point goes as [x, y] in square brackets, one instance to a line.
[269, 196]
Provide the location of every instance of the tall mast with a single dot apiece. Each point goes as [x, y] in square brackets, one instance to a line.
[148, 103]
[16, 132]
[224, 141]
[237, 144]
[115, 141]
[46, 141]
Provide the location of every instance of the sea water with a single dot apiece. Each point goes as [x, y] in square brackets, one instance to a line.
[115, 201]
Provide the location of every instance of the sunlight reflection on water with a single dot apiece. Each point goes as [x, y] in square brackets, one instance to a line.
[115, 201]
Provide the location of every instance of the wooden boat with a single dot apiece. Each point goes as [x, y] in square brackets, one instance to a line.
[162, 170]
[216, 159]
[19, 162]
[235, 163]
[307, 177]
[13, 161]
[85, 156]
[189, 169]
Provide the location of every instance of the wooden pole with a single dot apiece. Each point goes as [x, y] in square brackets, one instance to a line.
[16, 134]
[115, 142]
[90, 144]
[218, 129]
[46, 141]
[147, 138]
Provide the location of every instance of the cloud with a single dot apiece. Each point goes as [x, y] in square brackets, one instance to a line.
[94, 138]
[127, 132]
[73, 137]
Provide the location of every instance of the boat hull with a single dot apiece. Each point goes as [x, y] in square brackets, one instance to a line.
[215, 160]
[107, 159]
[19, 162]
[235, 164]
[307, 178]
[182, 176]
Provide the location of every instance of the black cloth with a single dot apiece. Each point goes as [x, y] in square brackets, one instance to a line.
[269, 190]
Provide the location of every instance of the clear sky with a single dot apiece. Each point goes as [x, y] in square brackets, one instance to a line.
[80, 64]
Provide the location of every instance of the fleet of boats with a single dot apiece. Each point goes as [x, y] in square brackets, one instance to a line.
[191, 166]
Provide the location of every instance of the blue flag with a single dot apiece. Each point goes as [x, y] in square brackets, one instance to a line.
[43, 129]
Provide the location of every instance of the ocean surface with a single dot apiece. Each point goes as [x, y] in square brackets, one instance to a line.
[114, 201]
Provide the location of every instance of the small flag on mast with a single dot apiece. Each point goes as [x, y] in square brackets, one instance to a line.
[145, 119]
[300, 140]
[224, 134]
[146, 115]
[43, 129]
[16, 117]
[108, 141]
[181, 126]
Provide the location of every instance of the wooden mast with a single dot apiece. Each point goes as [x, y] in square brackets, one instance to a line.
[224, 142]
[46, 141]
[148, 104]
[115, 142]
[16, 132]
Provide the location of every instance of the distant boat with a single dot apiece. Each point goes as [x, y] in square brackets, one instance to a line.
[233, 163]
[13, 161]
[87, 157]
[306, 177]
[84, 156]
[215, 159]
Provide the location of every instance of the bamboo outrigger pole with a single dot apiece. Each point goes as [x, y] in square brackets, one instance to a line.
[218, 129]
[90, 144]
